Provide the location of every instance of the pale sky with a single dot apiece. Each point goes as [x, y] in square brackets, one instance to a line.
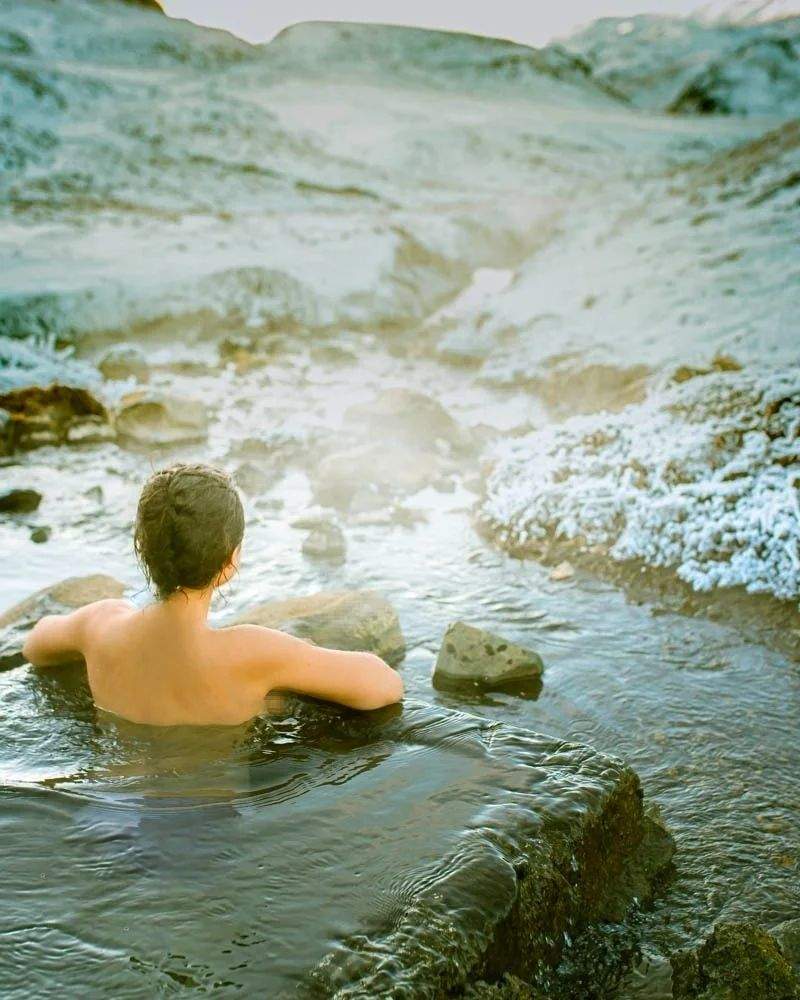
[534, 22]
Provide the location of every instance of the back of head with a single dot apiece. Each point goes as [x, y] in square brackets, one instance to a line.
[189, 523]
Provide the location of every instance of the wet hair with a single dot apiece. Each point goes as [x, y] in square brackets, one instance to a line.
[188, 524]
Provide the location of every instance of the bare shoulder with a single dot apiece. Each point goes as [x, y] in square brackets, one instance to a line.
[99, 613]
[254, 646]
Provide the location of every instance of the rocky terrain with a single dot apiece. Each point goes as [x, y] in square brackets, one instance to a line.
[415, 290]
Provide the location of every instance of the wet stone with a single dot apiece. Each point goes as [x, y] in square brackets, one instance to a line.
[738, 961]
[58, 414]
[41, 534]
[346, 619]
[123, 361]
[473, 658]
[325, 541]
[151, 419]
[19, 501]
[787, 935]
[58, 599]
[438, 849]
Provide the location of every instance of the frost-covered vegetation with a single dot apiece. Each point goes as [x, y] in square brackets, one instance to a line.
[703, 478]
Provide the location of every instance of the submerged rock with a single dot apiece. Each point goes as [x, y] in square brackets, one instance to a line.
[325, 541]
[347, 619]
[157, 419]
[738, 961]
[124, 361]
[555, 855]
[57, 599]
[472, 657]
[58, 414]
[19, 501]
[787, 935]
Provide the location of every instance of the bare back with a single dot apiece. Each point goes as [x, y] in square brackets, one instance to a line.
[164, 665]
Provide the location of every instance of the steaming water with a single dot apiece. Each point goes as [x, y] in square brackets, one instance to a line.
[153, 833]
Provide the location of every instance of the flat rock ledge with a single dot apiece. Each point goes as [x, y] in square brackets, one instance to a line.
[560, 844]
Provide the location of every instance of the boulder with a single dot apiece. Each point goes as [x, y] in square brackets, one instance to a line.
[407, 417]
[369, 476]
[57, 599]
[437, 849]
[348, 619]
[123, 361]
[253, 477]
[470, 657]
[41, 534]
[19, 501]
[787, 935]
[58, 414]
[738, 961]
[325, 541]
[155, 419]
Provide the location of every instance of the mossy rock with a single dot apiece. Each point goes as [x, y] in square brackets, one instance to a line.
[738, 961]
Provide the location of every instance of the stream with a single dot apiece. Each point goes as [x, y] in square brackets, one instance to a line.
[706, 719]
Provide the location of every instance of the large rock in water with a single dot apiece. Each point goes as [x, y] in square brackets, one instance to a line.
[403, 853]
[472, 657]
[58, 414]
[58, 599]
[738, 961]
[154, 419]
[347, 619]
[408, 417]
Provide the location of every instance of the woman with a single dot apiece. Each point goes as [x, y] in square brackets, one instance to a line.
[164, 664]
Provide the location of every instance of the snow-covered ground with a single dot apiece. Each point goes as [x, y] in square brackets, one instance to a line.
[541, 219]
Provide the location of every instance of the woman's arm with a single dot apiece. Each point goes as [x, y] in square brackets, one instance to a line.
[358, 680]
[57, 639]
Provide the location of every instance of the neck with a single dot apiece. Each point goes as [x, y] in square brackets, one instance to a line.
[189, 606]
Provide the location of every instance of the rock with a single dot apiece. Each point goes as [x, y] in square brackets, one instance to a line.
[738, 961]
[124, 361]
[59, 414]
[511, 909]
[19, 501]
[373, 475]
[409, 418]
[464, 848]
[326, 541]
[787, 935]
[564, 571]
[472, 657]
[6, 433]
[253, 478]
[349, 619]
[41, 534]
[156, 419]
[58, 599]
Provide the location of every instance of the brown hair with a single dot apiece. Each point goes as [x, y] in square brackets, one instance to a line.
[188, 524]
